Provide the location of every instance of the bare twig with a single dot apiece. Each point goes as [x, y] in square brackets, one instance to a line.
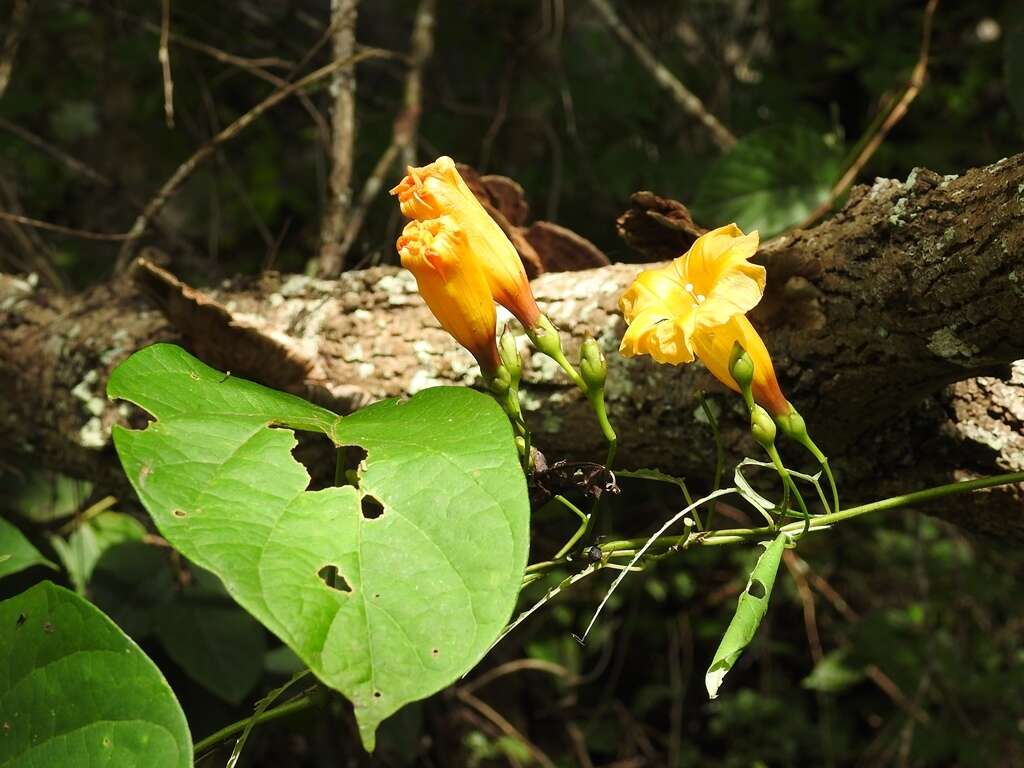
[82, 234]
[683, 96]
[38, 256]
[519, 665]
[838, 602]
[224, 57]
[885, 122]
[339, 189]
[73, 164]
[164, 56]
[495, 717]
[798, 570]
[257, 68]
[200, 155]
[15, 31]
[894, 692]
[403, 136]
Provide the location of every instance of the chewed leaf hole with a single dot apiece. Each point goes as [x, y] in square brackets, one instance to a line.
[330, 576]
[351, 463]
[371, 508]
[756, 589]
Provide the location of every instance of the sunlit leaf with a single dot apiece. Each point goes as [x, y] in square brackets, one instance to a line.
[386, 606]
[750, 610]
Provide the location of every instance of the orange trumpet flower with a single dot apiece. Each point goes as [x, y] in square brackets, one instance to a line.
[452, 284]
[437, 190]
[696, 307]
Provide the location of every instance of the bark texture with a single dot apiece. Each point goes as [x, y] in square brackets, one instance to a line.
[894, 327]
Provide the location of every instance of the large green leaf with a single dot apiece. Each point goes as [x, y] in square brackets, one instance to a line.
[750, 610]
[770, 181]
[421, 590]
[17, 552]
[75, 691]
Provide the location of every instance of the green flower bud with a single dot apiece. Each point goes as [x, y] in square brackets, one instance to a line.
[509, 354]
[593, 366]
[741, 367]
[762, 427]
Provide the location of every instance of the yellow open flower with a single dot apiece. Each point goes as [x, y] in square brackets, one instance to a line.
[453, 285]
[438, 190]
[696, 307]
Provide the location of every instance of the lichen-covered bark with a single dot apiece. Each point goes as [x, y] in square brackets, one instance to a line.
[893, 326]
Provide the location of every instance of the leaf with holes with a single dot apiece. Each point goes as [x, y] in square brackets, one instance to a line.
[389, 591]
[770, 181]
[17, 552]
[75, 691]
[750, 610]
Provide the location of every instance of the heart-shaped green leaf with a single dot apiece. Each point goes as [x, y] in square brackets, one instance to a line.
[421, 590]
[75, 691]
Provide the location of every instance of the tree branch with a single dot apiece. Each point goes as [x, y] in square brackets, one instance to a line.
[343, 129]
[893, 327]
[681, 95]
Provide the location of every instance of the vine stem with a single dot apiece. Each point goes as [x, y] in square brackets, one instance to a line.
[300, 704]
[628, 547]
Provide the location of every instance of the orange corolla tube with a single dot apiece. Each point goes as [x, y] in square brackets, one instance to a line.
[437, 190]
[696, 307]
[452, 284]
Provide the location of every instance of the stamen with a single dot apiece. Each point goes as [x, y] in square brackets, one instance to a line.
[700, 298]
[689, 287]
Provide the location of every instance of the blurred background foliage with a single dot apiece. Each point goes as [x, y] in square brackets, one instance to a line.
[893, 641]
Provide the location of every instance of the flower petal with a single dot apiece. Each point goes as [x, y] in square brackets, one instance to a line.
[734, 294]
[664, 338]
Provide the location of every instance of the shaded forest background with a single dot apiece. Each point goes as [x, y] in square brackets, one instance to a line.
[893, 642]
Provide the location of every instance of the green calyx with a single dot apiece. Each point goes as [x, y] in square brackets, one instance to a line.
[546, 339]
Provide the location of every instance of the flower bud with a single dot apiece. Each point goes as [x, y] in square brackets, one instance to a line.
[762, 427]
[741, 367]
[509, 353]
[593, 366]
